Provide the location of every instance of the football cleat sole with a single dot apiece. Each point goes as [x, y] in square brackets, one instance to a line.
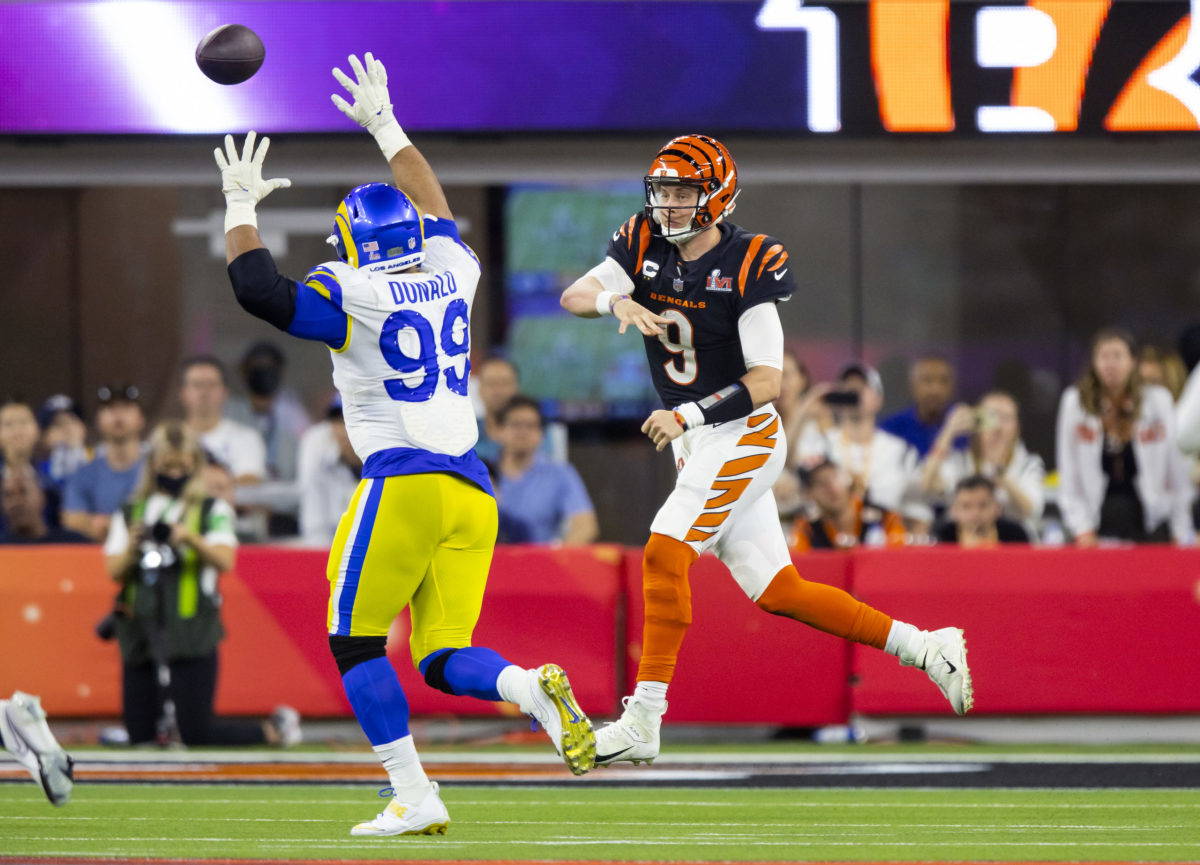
[578, 740]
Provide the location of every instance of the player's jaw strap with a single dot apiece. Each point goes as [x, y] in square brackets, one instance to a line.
[729, 403]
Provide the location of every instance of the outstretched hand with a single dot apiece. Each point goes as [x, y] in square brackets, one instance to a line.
[372, 106]
[241, 176]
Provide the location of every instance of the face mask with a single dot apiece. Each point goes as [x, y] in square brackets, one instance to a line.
[263, 380]
[170, 485]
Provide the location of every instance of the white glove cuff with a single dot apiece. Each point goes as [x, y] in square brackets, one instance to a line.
[239, 213]
[391, 138]
[691, 413]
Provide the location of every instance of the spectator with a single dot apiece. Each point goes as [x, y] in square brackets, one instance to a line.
[1162, 367]
[1189, 401]
[975, 517]
[799, 405]
[540, 501]
[329, 474]
[276, 413]
[203, 393]
[218, 480]
[167, 547]
[997, 452]
[1121, 474]
[499, 382]
[842, 520]
[24, 506]
[881, 465]
[99, 488]
[63, 439]
[931, 382]
[18, 446]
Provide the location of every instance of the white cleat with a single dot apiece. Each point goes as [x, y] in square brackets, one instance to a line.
[554, 707]
[427, 817]
[27, 737]
[944, 659]
[286, 722]
[633, 737]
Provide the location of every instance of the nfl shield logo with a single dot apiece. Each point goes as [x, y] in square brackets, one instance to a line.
[412, 242]
[677, 284]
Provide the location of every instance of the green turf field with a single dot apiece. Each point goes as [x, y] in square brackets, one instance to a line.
[601, 823]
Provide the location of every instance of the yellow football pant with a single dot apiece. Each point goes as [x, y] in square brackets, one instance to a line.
[421, 541]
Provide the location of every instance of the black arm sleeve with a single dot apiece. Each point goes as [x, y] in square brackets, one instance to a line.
[261, 289]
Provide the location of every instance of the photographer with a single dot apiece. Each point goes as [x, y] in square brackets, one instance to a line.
[167, 547]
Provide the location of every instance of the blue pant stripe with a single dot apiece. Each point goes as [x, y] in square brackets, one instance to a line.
[358, 554]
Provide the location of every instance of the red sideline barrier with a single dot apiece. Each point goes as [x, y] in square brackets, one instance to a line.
[1069, 631]
[1078, 631]
[739, 664]
[542, 605]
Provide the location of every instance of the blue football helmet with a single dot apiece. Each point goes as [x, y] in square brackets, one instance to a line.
[379, 229]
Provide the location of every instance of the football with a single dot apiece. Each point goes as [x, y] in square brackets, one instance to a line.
[230, 54]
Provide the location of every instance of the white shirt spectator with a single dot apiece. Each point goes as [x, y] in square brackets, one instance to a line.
[238, 446]
[1188, 414]
[888, 464]
[326, 485]
[1026, 471]
[1162, 477]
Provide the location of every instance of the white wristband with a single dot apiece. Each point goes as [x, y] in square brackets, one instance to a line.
[691, 413]
[391, 139]
[604, 302]
[240, 213]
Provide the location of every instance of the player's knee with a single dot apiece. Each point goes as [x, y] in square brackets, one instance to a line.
[433, 668]
[783, 593]
[349, 652]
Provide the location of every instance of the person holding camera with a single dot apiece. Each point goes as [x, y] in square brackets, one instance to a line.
[995, 451]
[167, 547]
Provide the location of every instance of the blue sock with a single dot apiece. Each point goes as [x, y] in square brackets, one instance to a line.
[470, 672]
[378, 700]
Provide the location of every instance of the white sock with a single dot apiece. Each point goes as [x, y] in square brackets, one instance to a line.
[652, 695]
[513, 685]
[400, 760]
[905, 642]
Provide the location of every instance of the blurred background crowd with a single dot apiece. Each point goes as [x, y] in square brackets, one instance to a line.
[945, 467]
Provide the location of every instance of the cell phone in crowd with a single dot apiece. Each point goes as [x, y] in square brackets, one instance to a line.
[841, 398]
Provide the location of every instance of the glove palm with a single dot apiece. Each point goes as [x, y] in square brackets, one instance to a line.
[242, 181]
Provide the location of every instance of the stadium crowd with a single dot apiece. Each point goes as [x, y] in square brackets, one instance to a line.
[937, 471]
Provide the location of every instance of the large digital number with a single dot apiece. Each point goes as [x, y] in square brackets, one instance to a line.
[455, 341]
[683, 347]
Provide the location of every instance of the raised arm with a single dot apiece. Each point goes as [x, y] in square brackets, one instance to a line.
[372, 110]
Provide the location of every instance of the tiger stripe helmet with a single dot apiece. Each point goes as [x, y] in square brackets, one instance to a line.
[694, 160]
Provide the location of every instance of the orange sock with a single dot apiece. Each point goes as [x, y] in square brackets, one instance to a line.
[668, 599]
[825, 608]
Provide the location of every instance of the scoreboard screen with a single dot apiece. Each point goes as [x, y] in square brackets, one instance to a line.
[832, 68]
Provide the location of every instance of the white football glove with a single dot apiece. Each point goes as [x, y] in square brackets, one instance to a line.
[372, 108]
[242, 180]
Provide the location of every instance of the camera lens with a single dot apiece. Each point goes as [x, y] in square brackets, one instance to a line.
[160, 532]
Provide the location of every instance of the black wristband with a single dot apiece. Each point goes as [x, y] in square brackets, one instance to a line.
[729, 403]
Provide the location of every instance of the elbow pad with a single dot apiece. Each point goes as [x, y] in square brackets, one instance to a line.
[261, 289]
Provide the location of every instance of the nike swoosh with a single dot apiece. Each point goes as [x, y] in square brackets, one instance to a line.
[779, 275]
[953, 669]
[601, 758]
[574, 717]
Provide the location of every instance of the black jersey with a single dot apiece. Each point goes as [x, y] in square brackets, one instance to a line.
[700, 353]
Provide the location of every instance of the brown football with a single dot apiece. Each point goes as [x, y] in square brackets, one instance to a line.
[230, 54]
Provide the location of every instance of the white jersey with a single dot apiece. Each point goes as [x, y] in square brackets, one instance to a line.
[403, 368]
